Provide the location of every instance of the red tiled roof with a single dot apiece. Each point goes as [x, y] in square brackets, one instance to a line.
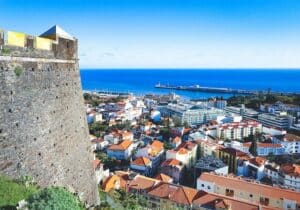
[163, 177]
[234, 152]
[291, 169]
[121, 146]
[175, 193]
[96, 163]
[254, 188]
[258, 161]
[216, 201]
[141, 161]
[171, 162]
[291, 137]
[259, 144]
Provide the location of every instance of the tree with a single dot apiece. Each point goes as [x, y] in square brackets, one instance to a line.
[253, 147]
[54, 198]
[167, 145]
[185, 124]
[165, 132]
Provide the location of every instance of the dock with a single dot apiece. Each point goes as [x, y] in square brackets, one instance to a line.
[198, 88]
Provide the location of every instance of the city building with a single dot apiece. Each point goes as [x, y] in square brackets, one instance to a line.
[265, 149]
[120, 151]
[142, 165]
[208, 148]
[176, 142]
[172, 168]
[278, 120]
[164, 178]
[290, 142]
[239, 130]
[164, 195]
[246, 113]
[271, 171]
[232, 157]
[101, 173]
[192, 114]
[236, 187]
[289, 176]
[210, 164]
[186, 153]
[253, 168]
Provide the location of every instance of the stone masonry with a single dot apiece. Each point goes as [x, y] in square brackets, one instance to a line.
[43, 129]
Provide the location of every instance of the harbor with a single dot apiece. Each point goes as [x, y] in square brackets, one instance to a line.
[198, 88]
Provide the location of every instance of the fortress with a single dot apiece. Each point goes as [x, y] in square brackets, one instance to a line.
[43, 128]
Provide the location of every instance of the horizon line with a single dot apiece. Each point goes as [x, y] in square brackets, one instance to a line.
[182, 68]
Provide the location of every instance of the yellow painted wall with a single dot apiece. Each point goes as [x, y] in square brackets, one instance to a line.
[16, 38]
[43, 43]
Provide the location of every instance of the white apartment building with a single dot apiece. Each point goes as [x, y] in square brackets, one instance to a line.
[238, 131]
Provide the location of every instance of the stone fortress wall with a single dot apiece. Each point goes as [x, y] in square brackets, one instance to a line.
[43, 128]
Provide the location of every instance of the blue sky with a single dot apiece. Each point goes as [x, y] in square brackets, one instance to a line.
[168, 33]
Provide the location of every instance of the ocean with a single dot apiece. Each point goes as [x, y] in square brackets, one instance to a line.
[142, 81]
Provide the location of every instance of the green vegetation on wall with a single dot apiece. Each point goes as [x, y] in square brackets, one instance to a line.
[54, 198]
[11, 192]
[18, 71]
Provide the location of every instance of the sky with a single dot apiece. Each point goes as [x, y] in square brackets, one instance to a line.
[168, 33]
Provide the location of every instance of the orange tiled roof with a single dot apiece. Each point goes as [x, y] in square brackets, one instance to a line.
[291, 169]
[157, 144]
[233, 152]
[142, 183]
[163, 177]
[248, 144]
[291, 137]
[171, 162]
[216, 201]
[110, 183]
[182, 151]
[139, 182]
[258, 161]
[175, 193]
[254, 188]
[141, 161]
[96, 163]
[121, 146]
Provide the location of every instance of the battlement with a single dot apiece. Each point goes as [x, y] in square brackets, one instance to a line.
[54, 43]
[43, 128]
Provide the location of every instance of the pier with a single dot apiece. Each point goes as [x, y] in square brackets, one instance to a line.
[198, 88]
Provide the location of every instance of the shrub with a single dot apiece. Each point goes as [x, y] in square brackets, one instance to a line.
[54, 198]
[18, 71]
[11, 192]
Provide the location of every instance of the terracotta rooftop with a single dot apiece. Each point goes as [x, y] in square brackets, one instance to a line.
[255, 188]
[258, 161]
[171, 162]
[234, 152]
[110, 183]
[291, 137]
[141, 161]
[163, 177]
[291, 169]
[138, 182]
[175, 193]
[121, 146]
[259, 144]
[96, 163]
[214, 201]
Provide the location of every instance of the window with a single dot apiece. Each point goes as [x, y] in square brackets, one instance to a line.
[202, 185]
[208, 187]
[250, 195]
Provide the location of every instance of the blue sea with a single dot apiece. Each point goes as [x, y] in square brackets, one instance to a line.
[142, 81]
